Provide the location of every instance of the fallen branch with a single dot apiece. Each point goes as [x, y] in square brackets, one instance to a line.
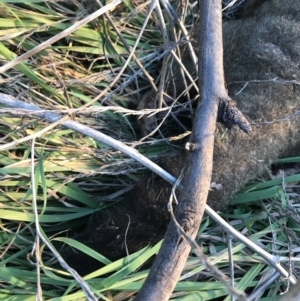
[215, 104]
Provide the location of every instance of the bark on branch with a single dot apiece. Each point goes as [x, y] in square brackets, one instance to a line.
[215, 104]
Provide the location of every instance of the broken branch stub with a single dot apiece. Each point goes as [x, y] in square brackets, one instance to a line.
[229, 115]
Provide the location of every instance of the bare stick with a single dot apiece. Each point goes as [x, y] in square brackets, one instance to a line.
[172, 256]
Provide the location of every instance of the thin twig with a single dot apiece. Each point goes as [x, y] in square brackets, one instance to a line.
[125, 238]
[272, 81]
[166, 42]
[231, 264]
[36, 246]
[127, 112]
[88, 293]
[11, 102]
